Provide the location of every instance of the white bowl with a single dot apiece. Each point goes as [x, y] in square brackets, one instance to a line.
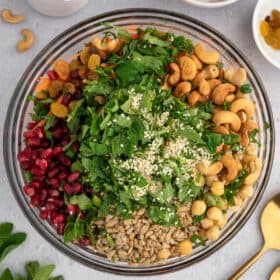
[57, 8]
[210, 3]
[263, 9]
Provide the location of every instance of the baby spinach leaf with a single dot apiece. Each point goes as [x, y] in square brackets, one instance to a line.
[82, 201]
[155, 40]
[31, 269]
[44, 272]
[5, 231]
[183, 44]
[163, 215]
[191, 135]
[188, 192]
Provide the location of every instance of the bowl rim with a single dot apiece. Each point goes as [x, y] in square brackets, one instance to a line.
[73, 254]
[257, 37]
[220, 4]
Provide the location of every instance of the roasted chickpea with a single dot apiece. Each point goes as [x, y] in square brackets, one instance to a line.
[198, 207]
[164, 254]
[206, 223]
[185, 247]
[217, 188]
[214, 213]
[212, 233]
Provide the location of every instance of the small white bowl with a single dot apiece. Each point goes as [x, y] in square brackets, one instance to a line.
[263, 9]
[57, 8]
[211, 3]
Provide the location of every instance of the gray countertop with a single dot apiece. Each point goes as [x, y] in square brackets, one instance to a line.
[235, 22]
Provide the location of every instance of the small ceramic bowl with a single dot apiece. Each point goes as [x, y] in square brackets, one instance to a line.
[57, 8]
[210, 3]
[263, 9]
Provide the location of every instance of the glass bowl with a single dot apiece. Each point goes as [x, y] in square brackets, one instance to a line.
[65, 45]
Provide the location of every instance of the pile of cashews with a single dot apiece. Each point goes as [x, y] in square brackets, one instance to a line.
[196, 78]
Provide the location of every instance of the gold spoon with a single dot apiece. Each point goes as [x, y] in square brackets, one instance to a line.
[275, 274]
[270, 221]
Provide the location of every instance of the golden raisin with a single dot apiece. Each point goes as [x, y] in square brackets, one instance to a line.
[59, 110]
[41, 94]
[69, 88]
[94, 61]
[62, 69]
[55, 88]
[74, 64]
[84, 55]
[100, 99]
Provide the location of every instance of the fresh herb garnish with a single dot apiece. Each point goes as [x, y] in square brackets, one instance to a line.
[246, 88]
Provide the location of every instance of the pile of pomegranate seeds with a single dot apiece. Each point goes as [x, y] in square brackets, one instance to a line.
[51, 174]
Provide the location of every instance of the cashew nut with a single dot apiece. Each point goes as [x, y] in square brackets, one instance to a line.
[195, 97]
[227, 117]
[236, 76]
[9, 17]
[196, 61]
[109, 46]
[27, 42]
[244, 137]
[188, 68]
[221, 91]
[220, 129]
[250, 125]
[231, 166]
[213, 83]
[203, 87]
[255, 167]
[207, 57]
[210, 170]
[244, 105]
[182, 89]
[229, 98]
[174, 77]
[246, 192]
[211, 72]
[165, 83]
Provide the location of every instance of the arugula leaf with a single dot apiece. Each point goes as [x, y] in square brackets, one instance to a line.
[188, 192]
[121, 145]
[183, 44]
[197, 219]
[163, 215]
[166, 194]
[44, 272]
[190, 134]
[6, 275]
[82, 201]
[155, 40]
[5, 231]
[31, 269]
[120, 32]
[198, 240]
[97, 87]
[246, 88]
[253, 136]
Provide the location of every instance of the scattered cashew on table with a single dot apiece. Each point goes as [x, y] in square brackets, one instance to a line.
[28, 36]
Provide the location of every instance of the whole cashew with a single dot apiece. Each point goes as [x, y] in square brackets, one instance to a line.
[207, 57]
[220, 129]
[256, 167]
[246, 127]
[188, 68]
[246, 192]
[231, 166]
[211, 72]
[165, 83]
[250, 125]
[248, 158]
[107, 46]
[221, 91]
[175, 75]
[27, 42]
[229, 98]
[227, 117]
[182, 89]
[210, 170]
[203, 87]
[195, 97]
[8, 16]
[213, 83]
[236, 76]
[196, 61]
[244, 105]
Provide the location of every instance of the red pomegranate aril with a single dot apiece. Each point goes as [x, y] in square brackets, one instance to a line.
[35, 184]
[65, 129]
[37, 171]
[33, 142]
[43, 195]
[66, 98]
[39, 132]
[35, 201]
[58, 202]
[29, 134]
[60, 228]
[64, 159]
[25, 165]
[73, 177]
[50, 206]
[53, 193]
[57, 133]
[39, 179]
[85, 241]
[25, 155]
[47, 154]
[31, 125]
[45, 214]
[58, 218]
[68, 189]
[62, 175]
[52, 75]
[45, 144]
[76, 188]
[75, 147]
[57, 150]
[54, 183]
[73, 209]
[42, 163]
[53, 172]
[29, 190]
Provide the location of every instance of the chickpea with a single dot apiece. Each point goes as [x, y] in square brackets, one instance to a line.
[206, 223]
[246, 192]
[213, 233]
[222, 222]
[218, 188]
[185, 247]
[214, 213]
[198, 207]
[163, 254]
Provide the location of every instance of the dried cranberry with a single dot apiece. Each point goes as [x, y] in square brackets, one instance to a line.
[50, 206]
[85, 241]
[66, 99]
[43, 195]
[54, 183]
[62, 175]
[35, 201]
[37, 171]
[57, 150]
[52, 75]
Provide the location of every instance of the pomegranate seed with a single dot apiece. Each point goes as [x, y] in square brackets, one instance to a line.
[31, 125]
[35, 201]
[58, 218]
[33, 142]
[68, 189]
[39, 132]
[25, 165]
[60, 228]
[45, 214]
[45, 144]
[40, 178]
[24, 156]
[75, 147]
[53, 193]
[47, 154]
[65, 129]
[57, 133]
[52, 75]
[29, 190]
[85, 241]
[62, 175]
[73, 209]
[58, 202]
[43, 195]
[64, 159]
[73, 177]
[57, 150]
[53, 172]
[50, 206]
[66, 98]
[76, 188]
[37, 171]
[35, 184]
[29, 134]
[54, 183]
[42, 163]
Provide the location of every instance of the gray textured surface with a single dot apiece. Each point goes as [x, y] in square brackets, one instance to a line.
[235, 22]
